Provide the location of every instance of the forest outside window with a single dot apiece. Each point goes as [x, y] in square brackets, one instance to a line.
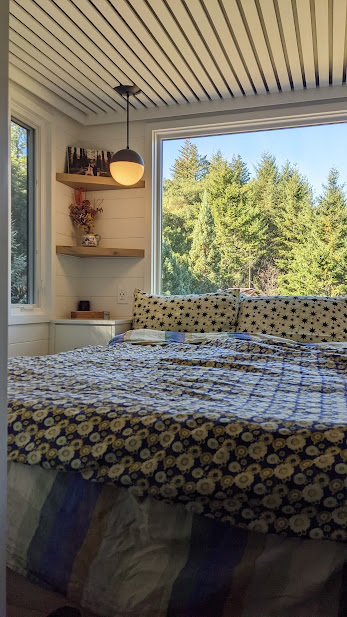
[22, 214]
[264, 212]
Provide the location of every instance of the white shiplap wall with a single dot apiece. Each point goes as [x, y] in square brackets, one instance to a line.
[121, 225]
[32, 338]
[66, 268]
[28, 339]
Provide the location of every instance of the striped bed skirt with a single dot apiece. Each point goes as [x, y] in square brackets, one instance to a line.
[120, 557]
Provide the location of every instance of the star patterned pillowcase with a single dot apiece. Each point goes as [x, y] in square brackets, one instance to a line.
[306, 319]
[210, 312]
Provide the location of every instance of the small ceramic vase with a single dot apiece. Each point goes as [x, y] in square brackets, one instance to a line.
[91, 240]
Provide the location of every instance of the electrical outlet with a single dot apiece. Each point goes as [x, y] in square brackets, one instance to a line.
[122, 296]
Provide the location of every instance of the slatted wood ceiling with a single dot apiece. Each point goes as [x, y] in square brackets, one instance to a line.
[71, 53]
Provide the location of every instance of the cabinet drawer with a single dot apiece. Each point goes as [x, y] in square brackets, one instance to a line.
[66, 334]
[75, 337]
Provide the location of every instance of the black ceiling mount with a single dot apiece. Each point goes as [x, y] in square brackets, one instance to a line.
[131, 90]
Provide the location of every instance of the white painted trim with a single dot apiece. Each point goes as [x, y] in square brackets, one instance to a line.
[4, 170]
[335, 95]
[152, 273]
[44, 148]
[289, 116]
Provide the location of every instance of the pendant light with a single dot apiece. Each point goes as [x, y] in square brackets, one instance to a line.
[126, 165]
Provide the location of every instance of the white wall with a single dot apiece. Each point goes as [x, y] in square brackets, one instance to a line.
[121, 225]
[28, 339]
[65, 269]
[3, 285]
[32, 338]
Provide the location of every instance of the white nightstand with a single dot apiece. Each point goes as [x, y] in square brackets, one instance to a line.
[66, 334]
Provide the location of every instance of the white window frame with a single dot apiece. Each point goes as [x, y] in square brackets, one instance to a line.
[295, 115]
[40, 311]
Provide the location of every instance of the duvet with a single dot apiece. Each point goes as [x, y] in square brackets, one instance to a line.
[247, 430]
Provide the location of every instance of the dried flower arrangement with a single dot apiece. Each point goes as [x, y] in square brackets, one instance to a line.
[83, 212]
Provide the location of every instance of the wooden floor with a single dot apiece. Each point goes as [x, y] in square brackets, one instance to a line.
[24, 599]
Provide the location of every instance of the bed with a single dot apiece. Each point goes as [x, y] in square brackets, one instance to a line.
[188, 473]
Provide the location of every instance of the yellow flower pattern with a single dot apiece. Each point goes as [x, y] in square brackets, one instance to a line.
[249, 430]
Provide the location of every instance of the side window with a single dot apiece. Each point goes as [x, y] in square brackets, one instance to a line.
[22, 213]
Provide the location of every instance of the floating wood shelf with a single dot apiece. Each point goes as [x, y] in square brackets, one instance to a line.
[95, 183]
[97, 251]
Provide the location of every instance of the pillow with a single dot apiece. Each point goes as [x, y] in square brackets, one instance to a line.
[212, 312]
[161, 337]
[306, 319]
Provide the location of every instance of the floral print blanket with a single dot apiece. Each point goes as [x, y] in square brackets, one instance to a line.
[249, 430]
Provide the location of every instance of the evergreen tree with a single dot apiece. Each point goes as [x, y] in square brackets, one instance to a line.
[319, 258]
[221, 229]
[176, 277]
[18, 272]
[182, 197]
[332, 213]
[239, 226]
[264, 194]
[19, 219]
[294, 220]
[264, 187]
[189, 165]
[204, 255]
[295, 199]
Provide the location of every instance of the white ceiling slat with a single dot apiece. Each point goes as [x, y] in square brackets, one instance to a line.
[252, 17]
[221, 26]
[322, 27]
[74, 40]
[67, 48]
[151, 45]
[240, 33]
[197, 43]
[288, 26]
[20, 75]
[273, 34]
[34, 70]
[134, 66]
[165, 17]
[144, 48]
[339, 29]
[100, 50]
[164, 41]
[185, 55]
[135, 70]
[26, 52]
[21, 32]
[305, 26]
[212, 42]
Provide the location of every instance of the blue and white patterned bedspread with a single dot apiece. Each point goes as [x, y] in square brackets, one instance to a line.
[248, 430]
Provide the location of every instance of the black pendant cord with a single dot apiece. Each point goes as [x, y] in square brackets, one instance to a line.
[127, 120]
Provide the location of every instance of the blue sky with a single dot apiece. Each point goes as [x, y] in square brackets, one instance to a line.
[314, 149]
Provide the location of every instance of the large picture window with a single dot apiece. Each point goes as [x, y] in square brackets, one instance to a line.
[264, 211]
[22, 214]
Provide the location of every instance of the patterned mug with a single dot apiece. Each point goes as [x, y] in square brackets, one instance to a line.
[91, 240]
